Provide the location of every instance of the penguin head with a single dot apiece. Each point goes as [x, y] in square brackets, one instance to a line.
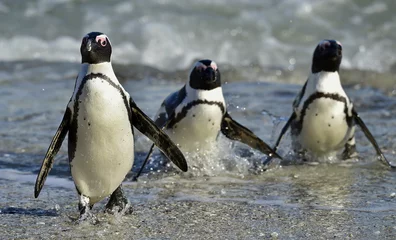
[95, 48]
[327, 56]
[205, 75]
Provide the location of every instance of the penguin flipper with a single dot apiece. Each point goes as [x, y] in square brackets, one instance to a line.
[146, 126]
[173, 101]
[235, 131]
[284, 130]
[53, 149]
[371, 138]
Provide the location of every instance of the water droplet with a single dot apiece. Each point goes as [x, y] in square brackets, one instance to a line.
[274, 235]
[57, 207]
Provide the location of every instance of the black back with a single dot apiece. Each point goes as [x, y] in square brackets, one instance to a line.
[95, 48]
[204, 77]
[327, 56]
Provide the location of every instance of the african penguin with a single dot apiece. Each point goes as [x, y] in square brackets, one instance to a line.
[323, 119]
[194, 115]
[99, 118]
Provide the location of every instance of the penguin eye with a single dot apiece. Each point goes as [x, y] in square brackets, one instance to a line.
[103, 43]
[102, 40]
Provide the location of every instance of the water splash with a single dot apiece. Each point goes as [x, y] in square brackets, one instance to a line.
[275, 33]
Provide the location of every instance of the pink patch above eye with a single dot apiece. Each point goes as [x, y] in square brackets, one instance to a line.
[102, 40]
[200, 67]
[324, 44]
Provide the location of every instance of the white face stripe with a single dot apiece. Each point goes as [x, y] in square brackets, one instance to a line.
[89, 46]
[213, 65]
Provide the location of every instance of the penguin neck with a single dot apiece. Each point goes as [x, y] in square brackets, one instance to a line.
[104, 68]
[215, 94]
[326, 82]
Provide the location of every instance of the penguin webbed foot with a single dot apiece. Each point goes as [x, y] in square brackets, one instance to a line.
[118, 203]
[86, 216]
[349, 152]
[85, 212]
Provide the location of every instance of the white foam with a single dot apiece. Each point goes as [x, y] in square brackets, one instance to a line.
[33, 48]
[28, 177]
[169, 34]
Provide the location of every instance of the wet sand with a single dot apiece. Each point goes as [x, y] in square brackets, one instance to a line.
[263, 207]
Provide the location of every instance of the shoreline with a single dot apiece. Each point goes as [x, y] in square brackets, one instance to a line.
[385, 81]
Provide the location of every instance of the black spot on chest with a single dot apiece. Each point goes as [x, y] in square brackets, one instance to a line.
[73, 138]
[297, 125]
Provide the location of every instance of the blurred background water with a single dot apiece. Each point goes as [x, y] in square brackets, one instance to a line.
[264, 50]
[169, 34]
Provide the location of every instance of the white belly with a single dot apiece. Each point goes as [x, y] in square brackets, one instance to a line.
[198, 129]
[104, 149]
[325, 128]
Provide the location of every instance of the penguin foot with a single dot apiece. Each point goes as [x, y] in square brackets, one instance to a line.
[118, 203]
[301, 154]
[85, 211]
[87, 217]
[349, 152]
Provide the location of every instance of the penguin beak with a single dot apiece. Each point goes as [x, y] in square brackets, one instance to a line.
[332, 51]
[209, 75]
[335, 50]
[335, 53]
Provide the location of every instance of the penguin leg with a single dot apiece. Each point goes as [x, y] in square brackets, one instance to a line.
[350, 147]
[85, 207]
[299, 152]
[118, 203]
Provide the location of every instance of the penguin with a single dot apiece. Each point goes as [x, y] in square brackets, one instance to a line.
[99, 119]
[324, 119]
[194, 116]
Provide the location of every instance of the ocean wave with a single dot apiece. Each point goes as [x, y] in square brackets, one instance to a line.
[169, 34]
